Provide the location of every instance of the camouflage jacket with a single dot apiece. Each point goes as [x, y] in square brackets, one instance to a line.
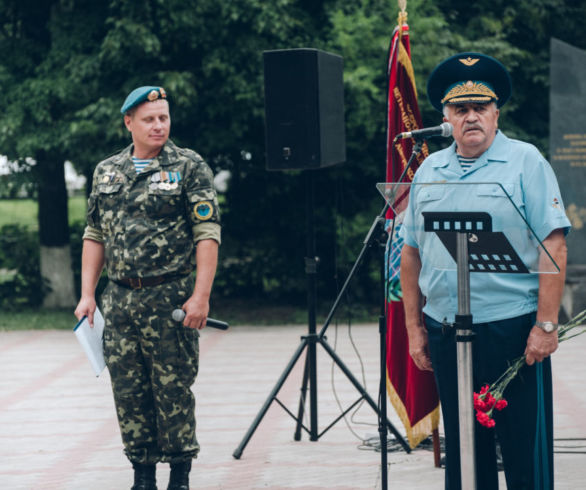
[150, 222]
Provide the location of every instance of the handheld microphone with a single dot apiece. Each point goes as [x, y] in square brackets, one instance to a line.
[444, 129]
[179, 315]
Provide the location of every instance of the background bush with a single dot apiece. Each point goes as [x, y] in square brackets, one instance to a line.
[20, 276]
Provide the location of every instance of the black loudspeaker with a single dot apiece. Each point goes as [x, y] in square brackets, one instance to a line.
[304, 109]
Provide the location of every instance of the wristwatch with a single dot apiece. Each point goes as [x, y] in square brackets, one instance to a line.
[547, 327]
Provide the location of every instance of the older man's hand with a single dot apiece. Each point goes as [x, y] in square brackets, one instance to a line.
[540, 344]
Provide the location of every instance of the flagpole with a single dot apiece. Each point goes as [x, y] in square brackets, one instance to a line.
[402, 19]
[419, 414]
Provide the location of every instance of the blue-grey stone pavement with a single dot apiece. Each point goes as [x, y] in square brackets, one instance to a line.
[58, 428]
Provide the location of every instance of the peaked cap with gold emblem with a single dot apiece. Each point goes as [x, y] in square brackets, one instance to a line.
[469, 78]
[142, 94]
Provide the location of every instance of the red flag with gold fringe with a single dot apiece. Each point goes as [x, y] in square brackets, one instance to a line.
[412, 392]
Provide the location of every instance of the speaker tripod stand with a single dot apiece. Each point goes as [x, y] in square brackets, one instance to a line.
[313, 339]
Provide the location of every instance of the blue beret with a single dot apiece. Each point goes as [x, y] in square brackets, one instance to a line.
[469, 78]
[142, 94]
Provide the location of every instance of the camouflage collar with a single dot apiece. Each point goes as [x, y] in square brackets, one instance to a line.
[167, 156]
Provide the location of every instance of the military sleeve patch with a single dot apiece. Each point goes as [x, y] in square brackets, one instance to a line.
[203, 210]
[555, 203]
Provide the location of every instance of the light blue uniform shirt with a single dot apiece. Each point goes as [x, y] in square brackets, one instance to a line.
[529, 181]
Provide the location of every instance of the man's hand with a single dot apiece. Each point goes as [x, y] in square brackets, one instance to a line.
[196, 312]
[197, 306]
[92, 263]
[413, 302]
[86, 307]
[419, 348]
[540, 345]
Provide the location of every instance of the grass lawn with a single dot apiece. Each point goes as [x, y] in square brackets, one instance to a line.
[235, 312]
[30, 319]
[25, 211]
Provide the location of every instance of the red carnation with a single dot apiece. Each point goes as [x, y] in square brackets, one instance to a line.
[491, 396]
[502, 403]
[484, 419]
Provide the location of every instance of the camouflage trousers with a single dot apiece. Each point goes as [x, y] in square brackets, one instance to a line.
[153, 361]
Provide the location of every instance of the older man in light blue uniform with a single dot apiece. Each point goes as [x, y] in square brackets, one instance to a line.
[513, 314]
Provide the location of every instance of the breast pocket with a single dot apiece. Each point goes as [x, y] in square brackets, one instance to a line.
[108, 189]
[109, 196]
[427, 197]
[504, 202]
[163, 201]
[504, 196]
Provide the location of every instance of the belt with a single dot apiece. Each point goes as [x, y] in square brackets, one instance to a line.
[145, 282]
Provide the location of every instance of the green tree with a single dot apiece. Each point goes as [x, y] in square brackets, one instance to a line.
[32, 110]
[517, 33]
[75, 60]
[72, 62]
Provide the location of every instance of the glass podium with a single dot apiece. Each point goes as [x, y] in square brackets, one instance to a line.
[499, 236]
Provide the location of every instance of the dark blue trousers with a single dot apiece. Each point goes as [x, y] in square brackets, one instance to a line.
[495, 346]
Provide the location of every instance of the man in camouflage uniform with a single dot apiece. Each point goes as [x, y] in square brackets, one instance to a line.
[152, 218]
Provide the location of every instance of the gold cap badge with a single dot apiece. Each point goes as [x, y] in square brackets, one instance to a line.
[469, 91]
[469, 61]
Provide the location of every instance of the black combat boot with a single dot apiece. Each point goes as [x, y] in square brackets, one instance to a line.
[179, 479]
[144, 477]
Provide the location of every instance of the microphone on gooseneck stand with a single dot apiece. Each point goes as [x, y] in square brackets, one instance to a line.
[179, 315]
[444, 129]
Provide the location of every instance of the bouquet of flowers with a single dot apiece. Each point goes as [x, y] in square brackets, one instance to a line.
[491, 397]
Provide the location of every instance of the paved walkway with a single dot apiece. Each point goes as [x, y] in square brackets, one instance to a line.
[58, 429]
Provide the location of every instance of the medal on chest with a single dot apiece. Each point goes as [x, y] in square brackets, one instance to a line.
[164, 180]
